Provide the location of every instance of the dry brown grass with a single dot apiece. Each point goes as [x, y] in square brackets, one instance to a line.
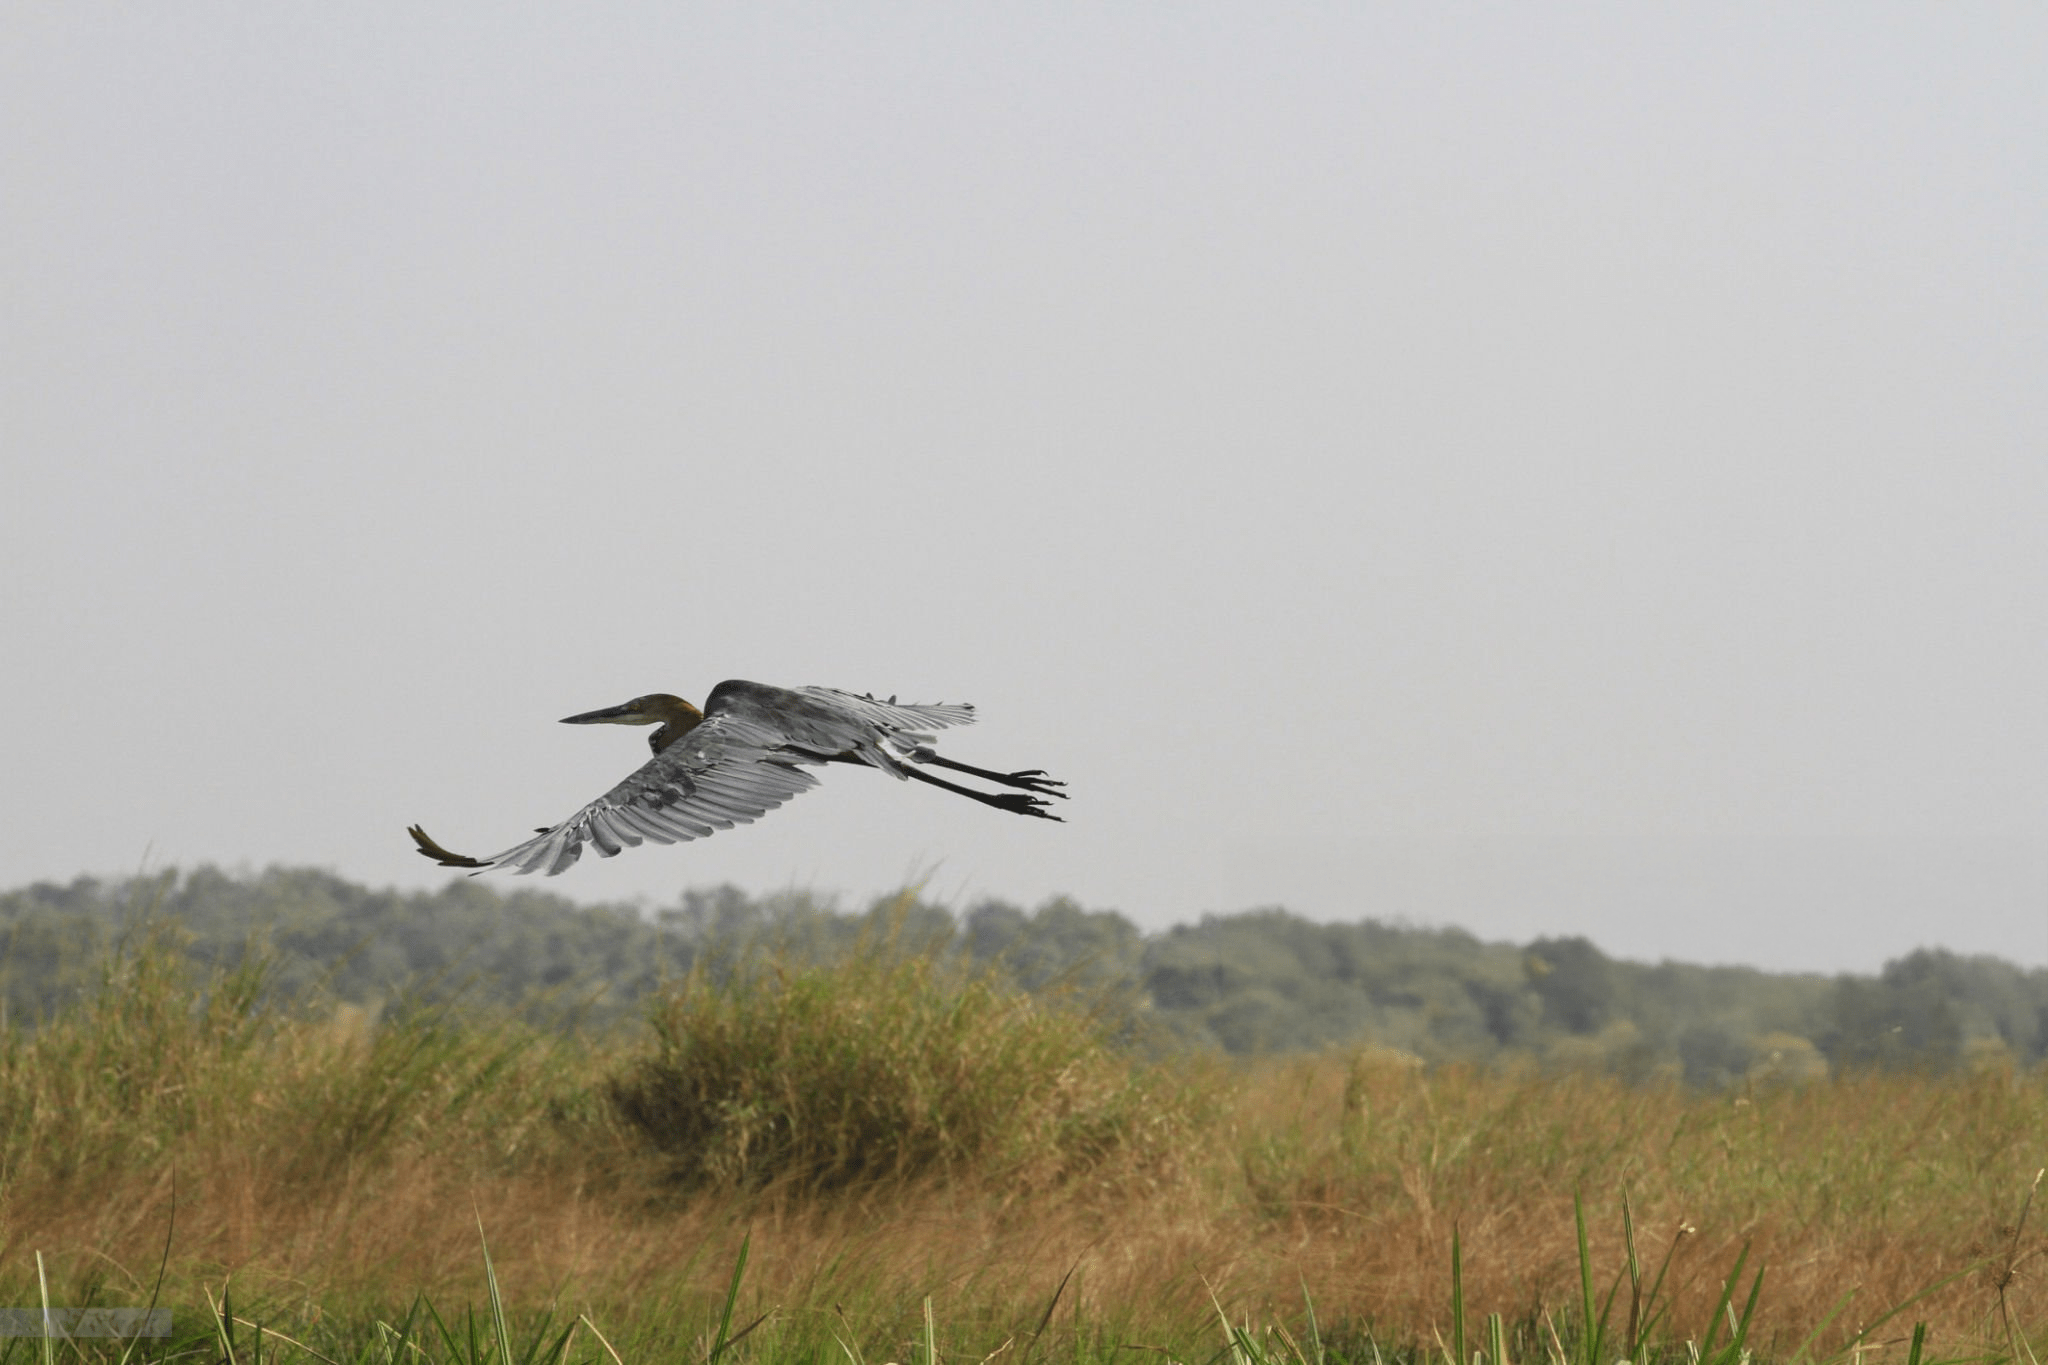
[1870, 1188]
[333, 1174]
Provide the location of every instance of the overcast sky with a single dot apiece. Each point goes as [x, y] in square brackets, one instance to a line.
[1554, 469]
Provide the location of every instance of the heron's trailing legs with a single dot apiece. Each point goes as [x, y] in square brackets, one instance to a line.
[1036, 786]
[1031, 779]
[1020, 803]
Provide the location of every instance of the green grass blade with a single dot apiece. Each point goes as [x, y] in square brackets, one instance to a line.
[850, 1343]
[1721, 1306]
[451, 1345]
[1653, 1309]
[1458, 1356]
[553, 1354]
[499, 1328]
[1632, 1339]
[1738, 1326]
[400, 1338]
[601, 1339]
[223, 1332]
[1741, 1342]
[1594, 1321]
[1237, 1344]
[1869, 1328]
[1045, 1319]
[732, 1297]
[1315, 1331]
[1799, 1353]
[49, 1336]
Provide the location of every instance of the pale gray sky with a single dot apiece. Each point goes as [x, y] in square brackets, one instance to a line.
[1550, 468]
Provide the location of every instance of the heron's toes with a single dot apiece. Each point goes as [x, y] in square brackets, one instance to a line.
[1023, 803]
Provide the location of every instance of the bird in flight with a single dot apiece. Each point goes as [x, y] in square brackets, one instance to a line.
[749, 750]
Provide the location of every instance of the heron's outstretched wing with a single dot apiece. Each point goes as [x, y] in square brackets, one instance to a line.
[824, 722]
[727, 771]
[892, 717]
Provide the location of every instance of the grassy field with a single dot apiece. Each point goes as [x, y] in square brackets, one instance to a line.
[880, 1162]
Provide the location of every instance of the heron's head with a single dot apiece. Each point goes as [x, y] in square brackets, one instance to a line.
[656, 708]
[675, 716]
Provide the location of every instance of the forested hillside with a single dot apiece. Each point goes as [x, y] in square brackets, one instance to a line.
[1259, 981]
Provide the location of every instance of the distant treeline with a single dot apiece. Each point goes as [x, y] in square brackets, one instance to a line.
[1258, 982]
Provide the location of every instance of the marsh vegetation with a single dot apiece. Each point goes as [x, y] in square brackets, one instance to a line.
[884, 1148]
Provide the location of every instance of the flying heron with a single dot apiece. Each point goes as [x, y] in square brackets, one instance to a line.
[749, 750]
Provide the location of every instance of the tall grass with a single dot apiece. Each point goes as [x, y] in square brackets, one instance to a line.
[117, 1084]
[882, 1161]
[156, 1062]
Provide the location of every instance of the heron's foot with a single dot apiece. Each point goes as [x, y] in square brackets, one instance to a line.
[1023, 803]
[429, 849]
[1034, 779]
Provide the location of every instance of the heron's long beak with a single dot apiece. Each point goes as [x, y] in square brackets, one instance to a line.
[625, 714]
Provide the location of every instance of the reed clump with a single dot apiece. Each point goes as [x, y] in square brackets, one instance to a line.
[887, 1067]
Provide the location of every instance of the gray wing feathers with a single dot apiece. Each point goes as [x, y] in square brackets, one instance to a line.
[893, 717]
[834, 722]
[717, 776]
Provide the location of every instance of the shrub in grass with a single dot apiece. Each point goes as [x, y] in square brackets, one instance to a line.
[882, 1067]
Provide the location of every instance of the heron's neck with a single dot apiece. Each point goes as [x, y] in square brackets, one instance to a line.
[678, 718]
